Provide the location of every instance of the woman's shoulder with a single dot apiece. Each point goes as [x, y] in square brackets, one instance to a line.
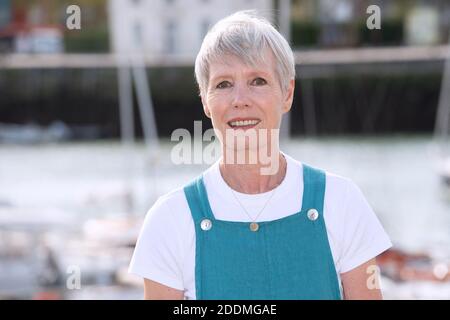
[175, 201]
[171, 200]
[169, 208]
[340, 190]
[339, 182]
[343, 196]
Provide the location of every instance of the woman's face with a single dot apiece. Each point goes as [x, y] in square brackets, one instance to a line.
[242, 97]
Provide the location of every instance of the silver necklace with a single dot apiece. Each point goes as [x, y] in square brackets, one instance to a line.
[254, 226]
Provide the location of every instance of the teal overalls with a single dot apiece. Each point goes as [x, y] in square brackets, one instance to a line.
[287, 258]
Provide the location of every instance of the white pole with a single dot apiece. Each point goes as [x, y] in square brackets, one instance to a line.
[126, 105]
[126, 129]
[284, 20]
[284, 24]
[145, 107]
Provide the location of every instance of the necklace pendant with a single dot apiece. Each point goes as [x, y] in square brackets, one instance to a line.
[254, 226]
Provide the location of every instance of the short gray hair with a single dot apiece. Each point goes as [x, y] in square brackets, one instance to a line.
[245, 35]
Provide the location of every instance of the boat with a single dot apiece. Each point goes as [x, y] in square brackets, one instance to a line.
[39, 251]
[402, 266]
[32, 133]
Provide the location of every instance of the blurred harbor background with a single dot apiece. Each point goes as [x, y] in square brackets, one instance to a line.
[86, 117]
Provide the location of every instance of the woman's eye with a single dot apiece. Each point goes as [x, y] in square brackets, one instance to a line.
[223, 85]
[259, 82]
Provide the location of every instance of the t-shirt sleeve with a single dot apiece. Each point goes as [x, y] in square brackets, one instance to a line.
[157, 254]
[363, 235]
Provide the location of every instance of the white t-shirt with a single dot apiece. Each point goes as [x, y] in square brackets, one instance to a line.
[165, 250]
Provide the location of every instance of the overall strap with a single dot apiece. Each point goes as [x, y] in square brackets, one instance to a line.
[197, 199]
[313, 188]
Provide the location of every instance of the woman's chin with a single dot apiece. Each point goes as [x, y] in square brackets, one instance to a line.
[251, 153]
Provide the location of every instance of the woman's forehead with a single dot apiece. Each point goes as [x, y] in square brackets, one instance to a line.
[229, 64]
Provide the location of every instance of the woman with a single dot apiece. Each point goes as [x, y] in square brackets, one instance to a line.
[257, 224]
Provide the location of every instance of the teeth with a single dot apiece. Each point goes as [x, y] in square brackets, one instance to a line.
[242, 123]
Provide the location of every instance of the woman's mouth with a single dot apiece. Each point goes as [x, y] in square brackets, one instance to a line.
[243, 123]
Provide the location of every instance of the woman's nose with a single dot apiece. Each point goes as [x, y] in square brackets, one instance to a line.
[240, 97]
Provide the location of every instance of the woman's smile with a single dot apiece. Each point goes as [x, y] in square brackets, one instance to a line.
[243, 123]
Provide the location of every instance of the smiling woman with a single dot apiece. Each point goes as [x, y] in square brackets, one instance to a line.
[238, 231]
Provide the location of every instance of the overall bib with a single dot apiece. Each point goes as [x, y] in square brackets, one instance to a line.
[287, 258]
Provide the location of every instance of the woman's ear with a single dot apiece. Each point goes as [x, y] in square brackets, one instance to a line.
[205, 107]
[289, 96]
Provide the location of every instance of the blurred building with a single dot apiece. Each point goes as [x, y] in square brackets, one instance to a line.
[5, 12]
[169, 27]
[342, 23]
[39, 26]
[5, 20]
[27, 30]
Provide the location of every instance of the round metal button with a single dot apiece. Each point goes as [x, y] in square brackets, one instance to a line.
[312, 214]
[206, 224]
[254, 226]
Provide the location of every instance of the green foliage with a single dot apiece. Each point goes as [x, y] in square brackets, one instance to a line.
[89, 41]
[391, 33]
[304, 33]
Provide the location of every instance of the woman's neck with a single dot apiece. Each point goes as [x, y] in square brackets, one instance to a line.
[248, 178]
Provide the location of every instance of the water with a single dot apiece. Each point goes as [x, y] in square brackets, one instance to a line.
[75, 182]
[397, 175]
